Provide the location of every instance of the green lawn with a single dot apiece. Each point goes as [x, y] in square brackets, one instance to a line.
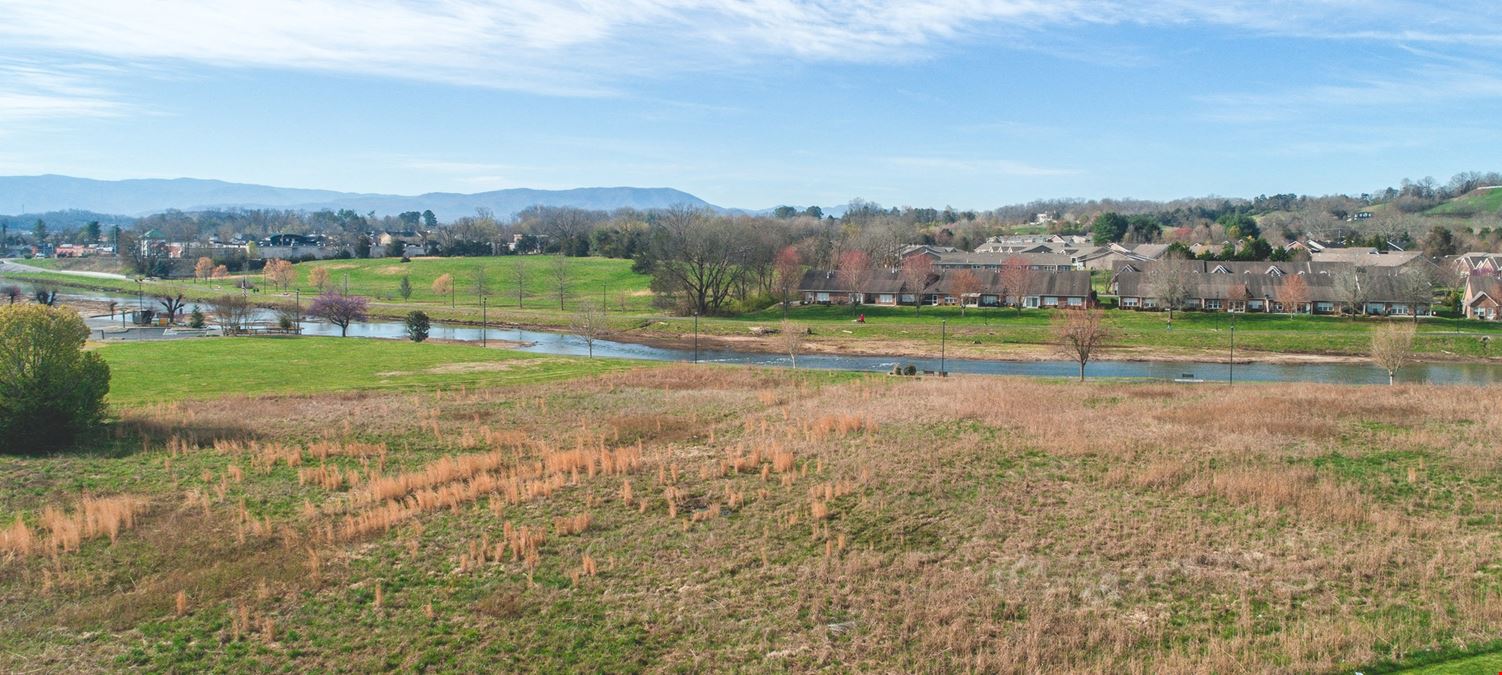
[170, 370]
[587, 279]
[1190, 330]
[1480, 201]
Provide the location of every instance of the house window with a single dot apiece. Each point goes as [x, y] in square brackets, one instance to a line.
[1050, 301]
[1212, 303]
[1324, 307]
[1255, 305]
[821, 297]
[1129, 302]
[1076, 301]
[1032, 301]
[885, 298]
[1400, 310]
[908, 298]
[1149, 303]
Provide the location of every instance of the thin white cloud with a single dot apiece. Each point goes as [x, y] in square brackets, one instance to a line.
[33, 91]
[593, 47]
[1429, 85]
[1001, 167]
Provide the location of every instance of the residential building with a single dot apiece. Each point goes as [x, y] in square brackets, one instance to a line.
[1483, 297]
[1044, 288]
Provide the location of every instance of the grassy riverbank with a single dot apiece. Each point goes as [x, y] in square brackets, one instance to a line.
[897, 331]
[326, 504]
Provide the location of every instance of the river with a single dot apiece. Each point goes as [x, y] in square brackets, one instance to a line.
[543, 342]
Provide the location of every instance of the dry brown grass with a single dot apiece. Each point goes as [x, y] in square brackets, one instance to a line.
[67, 529]
[753, 520]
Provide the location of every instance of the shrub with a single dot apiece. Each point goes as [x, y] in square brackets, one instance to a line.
[50, 389]
[195, 320]
[417, 326]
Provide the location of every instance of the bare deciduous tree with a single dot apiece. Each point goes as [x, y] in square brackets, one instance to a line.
[1351, 289]
[1016, 276]
[1171, 281]
[695, 257]
[481, 282]
[963, 283]
[1293, 293]
[792, 340]
[1415, 287]
[232, 311]
[789, 272]
[854, 271]
[1080, 333]
[560, 277]
[519, 273]
[1392, 347]
[589, 324]
[915, 273]
[172, 302]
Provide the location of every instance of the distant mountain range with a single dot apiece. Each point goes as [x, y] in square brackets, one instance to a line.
[139, 197]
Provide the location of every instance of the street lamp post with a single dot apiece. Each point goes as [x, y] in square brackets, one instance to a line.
[484, 321]
[696, 337]
[1233, 349]
[297, 294]
[943, 338]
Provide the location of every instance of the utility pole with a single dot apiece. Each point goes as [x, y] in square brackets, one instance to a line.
[297, 293]
[943, 338]
[484, 321]
[696, 337]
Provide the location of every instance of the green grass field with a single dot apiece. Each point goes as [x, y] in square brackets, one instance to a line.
[1480, 201]
[586, 280]
[174, 370]
[297, 509]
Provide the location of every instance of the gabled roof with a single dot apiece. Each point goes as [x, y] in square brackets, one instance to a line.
[1477, 287]
[1365, 257]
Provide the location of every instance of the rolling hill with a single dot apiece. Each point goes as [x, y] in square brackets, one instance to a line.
[1482, 200]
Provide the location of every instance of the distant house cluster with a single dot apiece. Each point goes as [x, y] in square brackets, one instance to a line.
[284, 246]
[950, 287]
[1052, 252]
[1311, 287]
[82, 250]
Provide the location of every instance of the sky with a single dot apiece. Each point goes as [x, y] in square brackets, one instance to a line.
[755, 103]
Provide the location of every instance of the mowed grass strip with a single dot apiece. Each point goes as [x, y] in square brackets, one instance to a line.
[585, 280]
[169, 370]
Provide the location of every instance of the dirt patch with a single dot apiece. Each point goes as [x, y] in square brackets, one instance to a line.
[456, 369]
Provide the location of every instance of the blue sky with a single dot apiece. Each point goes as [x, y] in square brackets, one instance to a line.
[970, 103]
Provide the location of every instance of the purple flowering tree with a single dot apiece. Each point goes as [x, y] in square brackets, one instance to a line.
[339, 309]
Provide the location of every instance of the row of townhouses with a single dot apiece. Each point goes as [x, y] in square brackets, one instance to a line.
[953, 287]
